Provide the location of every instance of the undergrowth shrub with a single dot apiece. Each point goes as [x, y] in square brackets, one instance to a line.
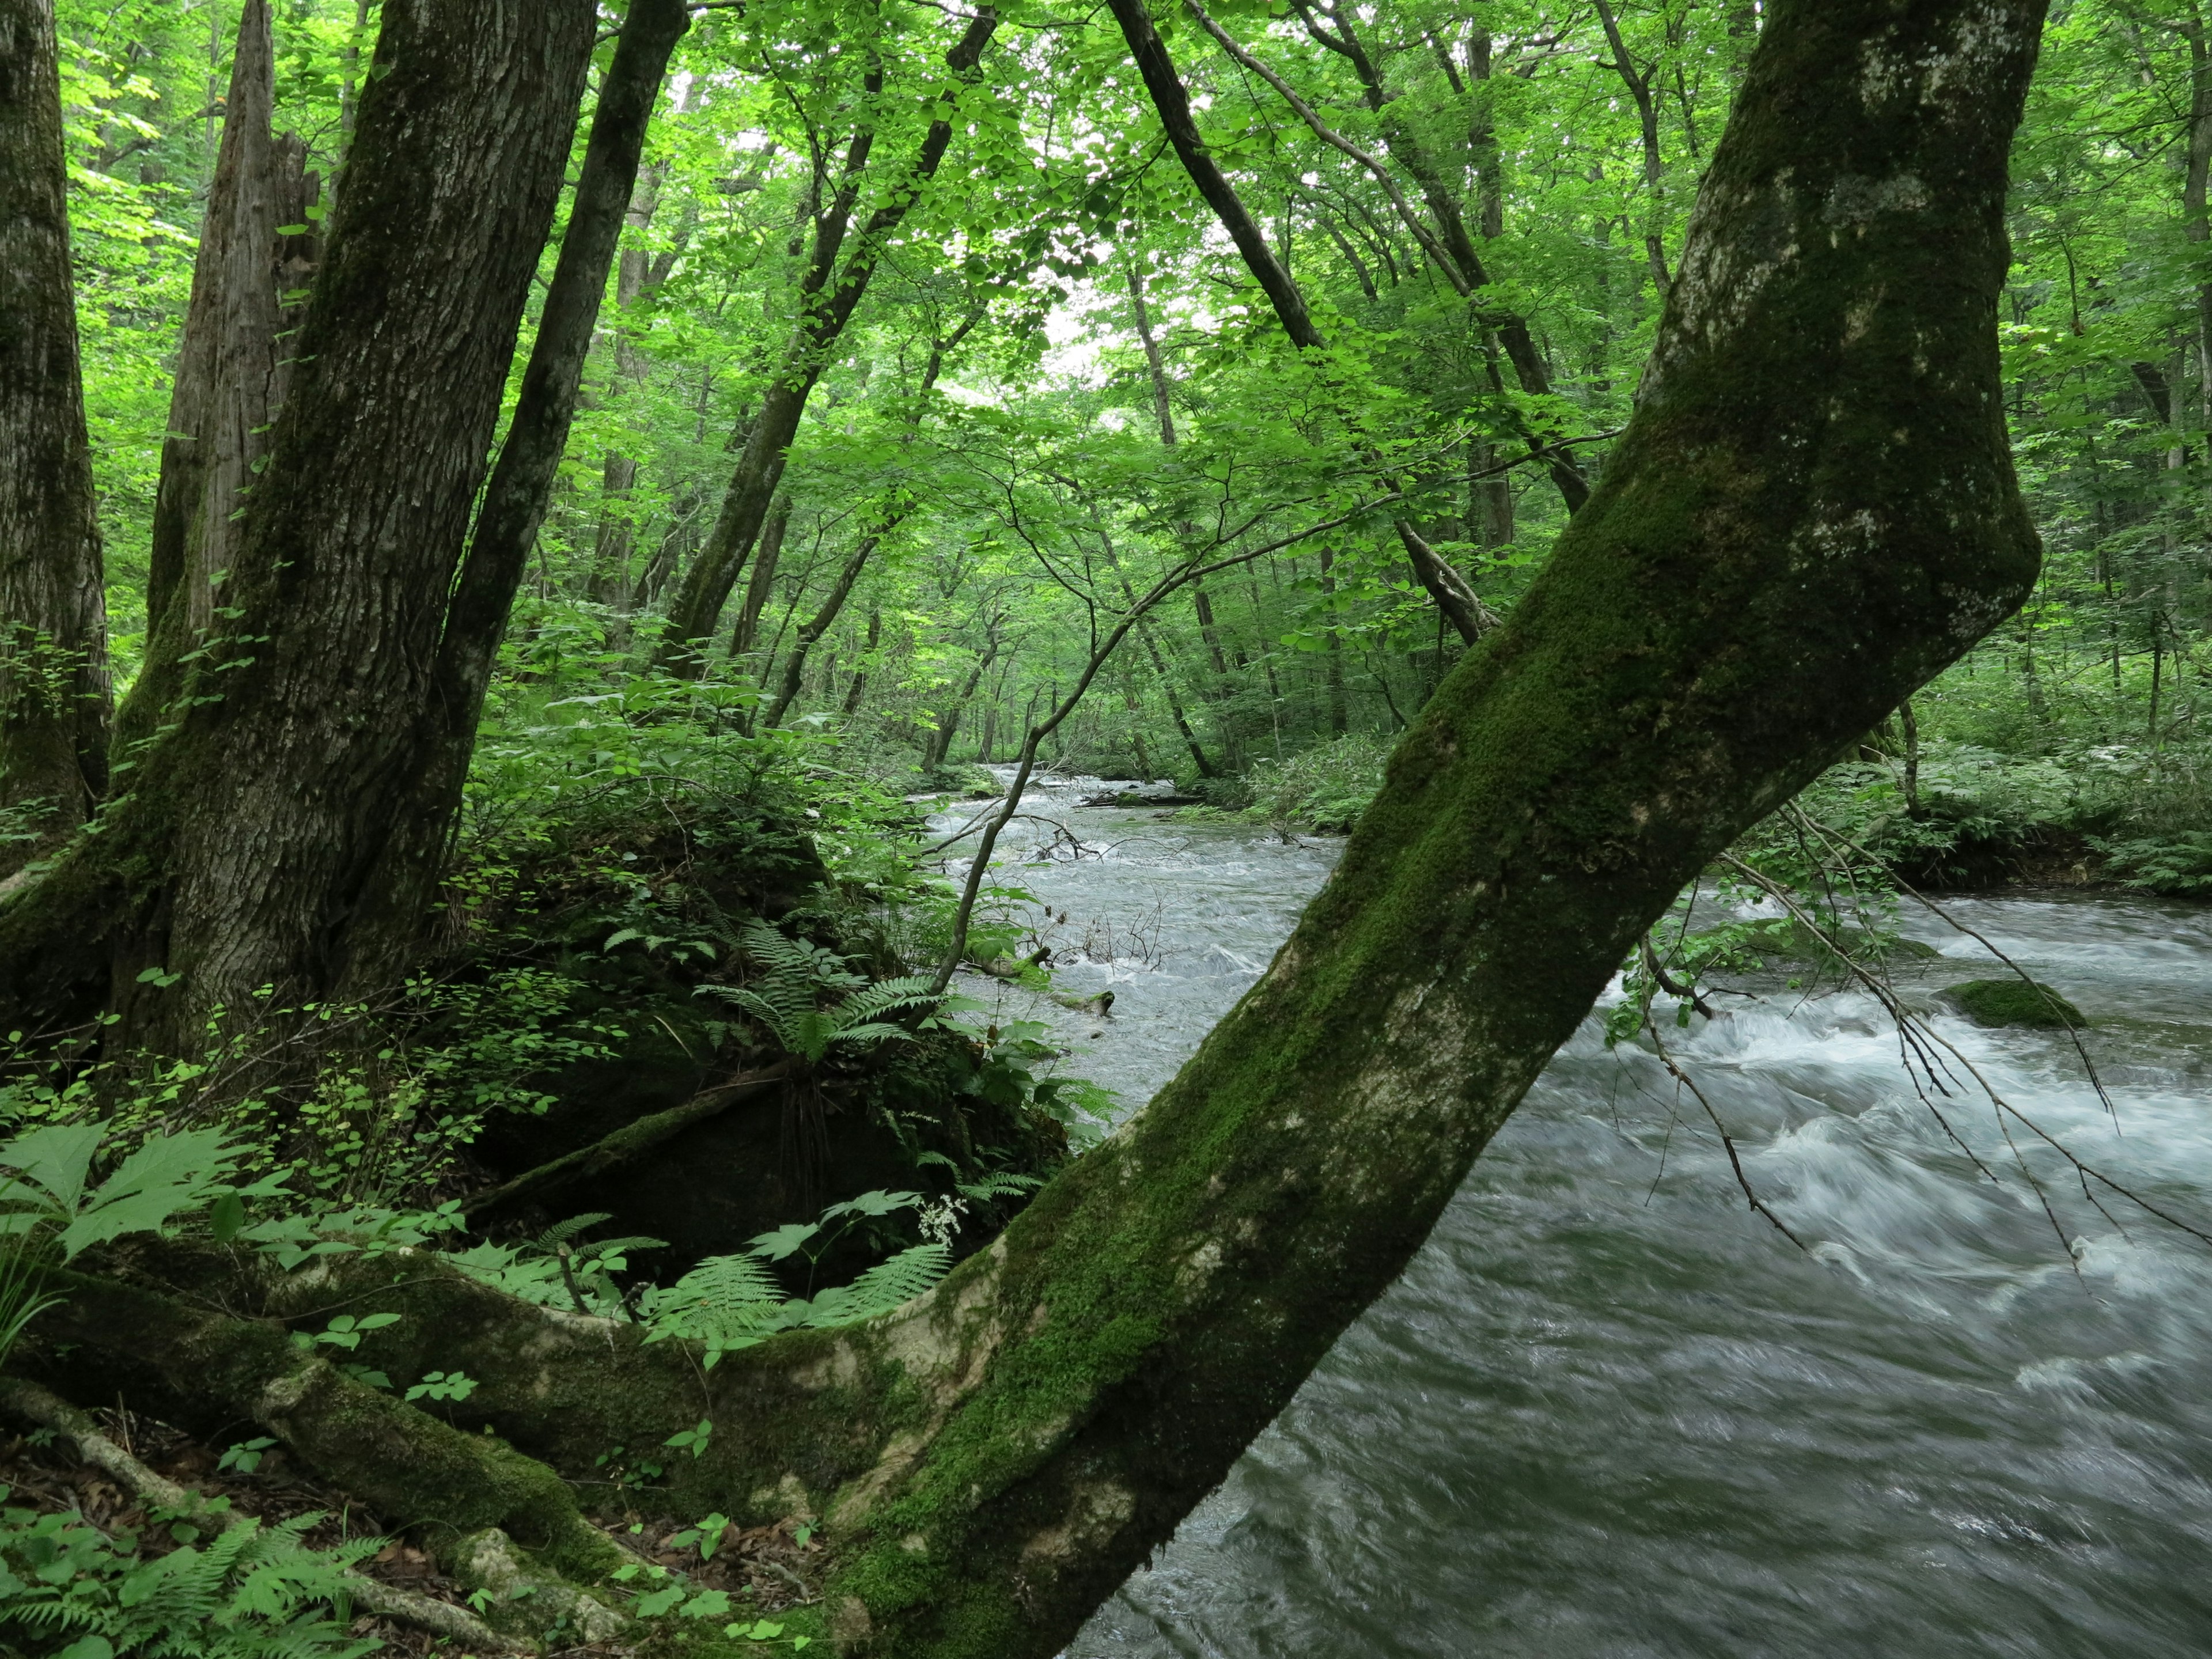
[1325, 789]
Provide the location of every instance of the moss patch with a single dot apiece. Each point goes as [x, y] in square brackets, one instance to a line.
[1997, 1002]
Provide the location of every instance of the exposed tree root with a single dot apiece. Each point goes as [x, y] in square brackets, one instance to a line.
[41, 1406]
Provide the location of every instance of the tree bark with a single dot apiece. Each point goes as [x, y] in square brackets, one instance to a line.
[764, 577]
[244, 854]
[515, 500]
[53, 656]
[233, 363]
[822, 320]
[1759, 578]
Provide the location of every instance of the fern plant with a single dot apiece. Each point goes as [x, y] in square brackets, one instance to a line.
[251, 1592]
[787, 998]
[732, 1302]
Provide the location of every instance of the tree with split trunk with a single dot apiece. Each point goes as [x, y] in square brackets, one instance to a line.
[281, 819]
[1758, 580]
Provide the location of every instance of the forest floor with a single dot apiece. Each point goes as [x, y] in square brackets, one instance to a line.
[763, 1569]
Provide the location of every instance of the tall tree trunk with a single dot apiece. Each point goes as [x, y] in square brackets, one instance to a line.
[794, 666]
[859, 689]
[515, 500]
[822, 318]
[1639, 82]
[764, 577]
[244, 854]
[53, 656]
[1338, 720]
[232, 367]
[636, 272]
[948, 725]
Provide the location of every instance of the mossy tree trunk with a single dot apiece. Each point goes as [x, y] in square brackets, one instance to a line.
[1759, 578]
[54, 630]
[240, 851]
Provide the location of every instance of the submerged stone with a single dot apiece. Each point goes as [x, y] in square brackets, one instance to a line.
[2013, 1002]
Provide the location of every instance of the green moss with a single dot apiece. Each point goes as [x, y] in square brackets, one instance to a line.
[2013, 1002]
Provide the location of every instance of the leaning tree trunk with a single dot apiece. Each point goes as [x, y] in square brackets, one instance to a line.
[241, 854]
[1759, 578]
[53, 653]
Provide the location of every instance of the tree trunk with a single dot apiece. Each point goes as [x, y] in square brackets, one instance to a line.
[794, 666]
[245, 849]
[822, 320]
[859, 689]
[53, 656]
[1639, 82]
[763, 578]
[948, 727]
[1759, 578]
[1338, 723]
[232, 367]
[515, 500]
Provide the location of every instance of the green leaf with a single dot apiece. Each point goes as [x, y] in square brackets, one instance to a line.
[775, 1246]
[228, 1217]
[55, 1158]
[653, 1603]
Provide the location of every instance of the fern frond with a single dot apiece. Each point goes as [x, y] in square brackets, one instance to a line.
[908, 991]
[999, 1184]
[725, 1283]
[886, 1285]
[561, 1231]
[872, 1032]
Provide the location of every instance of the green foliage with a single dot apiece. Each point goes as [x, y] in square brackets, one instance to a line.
[1326, 788]
[2178, 865]
[48, 1187]
[1008, 1066]
[787, 999]
[250, 1592]
[732, 1302]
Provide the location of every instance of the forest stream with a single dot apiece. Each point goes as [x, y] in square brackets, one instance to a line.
[1608, 1410]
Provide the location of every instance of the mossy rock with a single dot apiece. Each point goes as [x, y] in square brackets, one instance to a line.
[1997, 1002]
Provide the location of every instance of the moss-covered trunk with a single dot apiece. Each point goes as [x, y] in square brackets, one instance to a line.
[1759, 578]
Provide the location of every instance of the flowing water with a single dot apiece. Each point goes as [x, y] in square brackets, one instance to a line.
[1608, 1410]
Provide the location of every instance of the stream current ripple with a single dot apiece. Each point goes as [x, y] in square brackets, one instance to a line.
[1607, 1411]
